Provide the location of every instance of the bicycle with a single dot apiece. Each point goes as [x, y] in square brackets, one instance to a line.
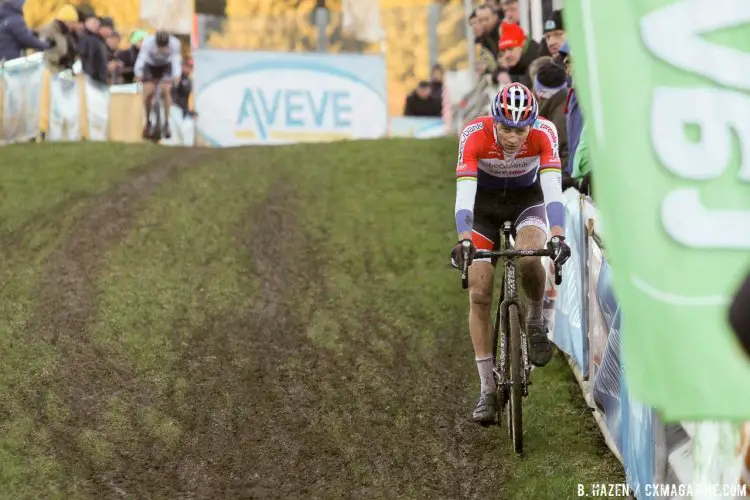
[512, 378]
[156, 131]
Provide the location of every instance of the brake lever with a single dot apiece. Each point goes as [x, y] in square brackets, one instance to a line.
[465, 268]
[558, 274]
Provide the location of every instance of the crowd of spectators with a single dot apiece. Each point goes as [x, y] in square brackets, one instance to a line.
[507, 54]
[79, 34]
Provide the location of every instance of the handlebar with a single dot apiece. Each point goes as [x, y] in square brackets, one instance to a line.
[506, 254]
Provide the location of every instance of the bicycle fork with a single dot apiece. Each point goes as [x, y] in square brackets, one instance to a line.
[501, 366]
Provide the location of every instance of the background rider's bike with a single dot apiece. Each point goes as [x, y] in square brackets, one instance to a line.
[155, 133]
[512, 367]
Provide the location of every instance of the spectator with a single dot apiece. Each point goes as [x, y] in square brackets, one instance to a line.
[581, 166]
[421, 103]
[15, 35]
[476, 27]
[62, 34]
[554, 33]
[130, 55]
[511, 12]
[574, 119]
[93, 51]
[538, 63]
[113, 43]
[114, 65]
[490, 22]
[106, 26]
[516, 53]
[436, 81]
[183, 88]
[486, 61]
[550, 87]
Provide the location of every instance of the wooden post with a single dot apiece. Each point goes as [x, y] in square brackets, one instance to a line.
[83, 108]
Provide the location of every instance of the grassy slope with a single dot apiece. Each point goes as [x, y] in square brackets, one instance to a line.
[371, 351]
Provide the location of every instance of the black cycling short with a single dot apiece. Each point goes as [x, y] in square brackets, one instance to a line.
[157, 73]
[492, 207]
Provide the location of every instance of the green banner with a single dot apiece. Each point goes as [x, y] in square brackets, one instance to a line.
[665, 90]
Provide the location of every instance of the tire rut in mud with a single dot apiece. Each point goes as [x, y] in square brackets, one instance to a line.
[267, 414]
[271, 415]
[86, 376]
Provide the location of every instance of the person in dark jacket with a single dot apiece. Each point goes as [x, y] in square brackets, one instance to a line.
[62, 33]
[551, 89]
[517, 52]
[489, 19]
[436, 81]
[93, 51]
[15, 35]
[554, 33]
[181, 90]
[130, 55]
[421, 103]
[114, 65]
[575, 119]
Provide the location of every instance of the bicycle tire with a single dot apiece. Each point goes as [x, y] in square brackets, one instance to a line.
[157, 109]
[515, 411]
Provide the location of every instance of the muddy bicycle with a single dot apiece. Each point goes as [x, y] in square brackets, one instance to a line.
[156, 131]
[512, 367]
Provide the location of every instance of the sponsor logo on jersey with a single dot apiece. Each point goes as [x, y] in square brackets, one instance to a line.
[509, 168]
[549, 130]
[468, 131]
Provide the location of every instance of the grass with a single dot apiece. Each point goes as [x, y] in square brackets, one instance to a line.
[267, 310]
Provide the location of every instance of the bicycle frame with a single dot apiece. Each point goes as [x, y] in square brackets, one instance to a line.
[509, 296]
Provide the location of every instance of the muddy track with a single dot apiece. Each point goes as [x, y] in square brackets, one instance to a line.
[86, 377]
[270, 415]
[267, 414]
[11, 241]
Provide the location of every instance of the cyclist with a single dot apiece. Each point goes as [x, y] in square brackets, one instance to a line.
[159, 62]
[508, 169]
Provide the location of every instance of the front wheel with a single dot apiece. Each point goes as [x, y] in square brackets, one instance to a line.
[515, 410]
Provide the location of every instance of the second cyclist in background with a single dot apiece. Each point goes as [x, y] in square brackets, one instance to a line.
[159, 63]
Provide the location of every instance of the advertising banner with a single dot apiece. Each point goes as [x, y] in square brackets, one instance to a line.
[97, 107]
[64, 112]
[175, 16]
[417, 127]
[22, 99]
[247, 98]
[672, 181]
[569, 324]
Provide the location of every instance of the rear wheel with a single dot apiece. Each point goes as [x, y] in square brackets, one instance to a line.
[156, 110]
[515, 410]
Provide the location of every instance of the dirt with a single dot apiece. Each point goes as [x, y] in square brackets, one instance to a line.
[267, 414]
[86, 376]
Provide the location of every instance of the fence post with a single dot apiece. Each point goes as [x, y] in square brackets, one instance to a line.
[433, 18]
[322, 19]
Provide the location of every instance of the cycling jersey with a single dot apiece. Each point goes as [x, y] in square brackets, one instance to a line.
[483, 164]
[151, 55]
